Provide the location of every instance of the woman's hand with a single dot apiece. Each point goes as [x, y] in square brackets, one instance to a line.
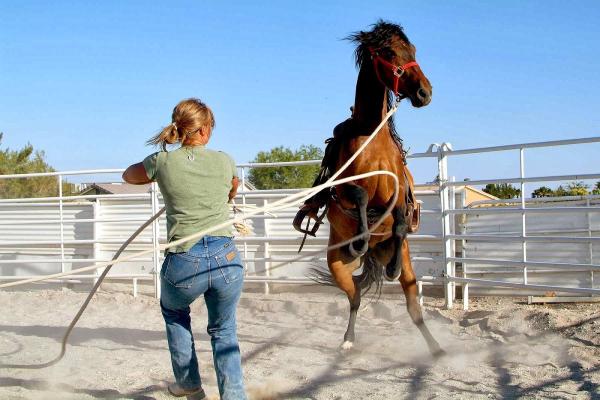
[136, 174]
[234, 187]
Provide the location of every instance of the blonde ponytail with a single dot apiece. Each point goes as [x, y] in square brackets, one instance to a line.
[188, 117]
[168, 135]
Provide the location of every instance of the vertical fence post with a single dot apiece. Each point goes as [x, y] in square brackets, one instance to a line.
[523, 214]
[444, 203]
[452, 206]
[463, 231]
[243, 174]
[267, 248]
[62, 226]
[590, 244]
[96, 237]
[155, 243]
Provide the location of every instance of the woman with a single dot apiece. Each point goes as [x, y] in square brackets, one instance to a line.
[197, 184]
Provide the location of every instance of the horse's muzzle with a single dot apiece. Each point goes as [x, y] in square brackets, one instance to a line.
[421, 98]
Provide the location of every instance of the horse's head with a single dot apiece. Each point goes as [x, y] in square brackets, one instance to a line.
[393, 59]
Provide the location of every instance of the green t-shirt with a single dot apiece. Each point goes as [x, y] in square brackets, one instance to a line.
[195, 183]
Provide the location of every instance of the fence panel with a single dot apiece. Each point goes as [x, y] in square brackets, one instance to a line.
[30, 233]
[523, 246]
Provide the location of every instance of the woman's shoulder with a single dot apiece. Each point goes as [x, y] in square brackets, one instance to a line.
[226, 160]
[159, 153]
[152, 163]
[220, 154]
[154, 157]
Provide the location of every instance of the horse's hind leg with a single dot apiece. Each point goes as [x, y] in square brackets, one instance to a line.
[359, 197]
[409, 285]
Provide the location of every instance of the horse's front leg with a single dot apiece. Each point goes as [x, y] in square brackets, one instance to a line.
[399, 231]
[359, 197]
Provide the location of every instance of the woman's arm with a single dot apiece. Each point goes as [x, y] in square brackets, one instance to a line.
[136, 174]
[234, 187]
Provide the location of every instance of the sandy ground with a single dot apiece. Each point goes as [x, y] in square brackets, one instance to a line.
[500, 349]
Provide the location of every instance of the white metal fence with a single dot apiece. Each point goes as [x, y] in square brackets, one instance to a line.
[531, 230]
[59, 234]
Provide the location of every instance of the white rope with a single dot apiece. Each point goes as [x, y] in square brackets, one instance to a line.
[243, 207]
[280, 204]
[354, 238]
[95, 288]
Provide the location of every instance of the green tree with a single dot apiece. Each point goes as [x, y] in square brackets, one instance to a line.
[542, 191]
[286, 177]
[577, 188]
[561, 191]
[502, 190]
[24, 161]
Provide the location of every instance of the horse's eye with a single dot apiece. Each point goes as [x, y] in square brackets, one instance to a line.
[388, 53]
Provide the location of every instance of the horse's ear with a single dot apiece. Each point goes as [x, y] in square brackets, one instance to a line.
[357, 37]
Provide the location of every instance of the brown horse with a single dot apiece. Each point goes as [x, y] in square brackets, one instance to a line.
[387, 72]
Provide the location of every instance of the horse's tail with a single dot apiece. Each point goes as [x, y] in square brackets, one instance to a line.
[371, 276]
[321, 275]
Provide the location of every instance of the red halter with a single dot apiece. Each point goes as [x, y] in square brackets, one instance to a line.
[397, 71]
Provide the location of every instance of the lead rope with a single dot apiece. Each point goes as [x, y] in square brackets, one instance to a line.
[65, 338]
[277, 205]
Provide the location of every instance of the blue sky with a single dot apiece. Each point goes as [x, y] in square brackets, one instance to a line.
[90, 82]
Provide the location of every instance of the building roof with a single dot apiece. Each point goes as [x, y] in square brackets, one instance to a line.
[481, 192]
[127, 188]
[116, 188]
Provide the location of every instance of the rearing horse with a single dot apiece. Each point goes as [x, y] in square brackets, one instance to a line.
[387, 72]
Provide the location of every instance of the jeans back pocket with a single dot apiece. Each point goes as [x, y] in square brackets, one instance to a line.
[181, 269]
[230, 264]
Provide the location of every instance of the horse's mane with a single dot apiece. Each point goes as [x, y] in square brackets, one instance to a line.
[377, 38]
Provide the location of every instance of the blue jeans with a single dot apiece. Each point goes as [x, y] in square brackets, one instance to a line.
[212, 268]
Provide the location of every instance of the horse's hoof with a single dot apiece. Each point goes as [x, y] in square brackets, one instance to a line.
[363, 247]
[354, 253]
[391, 274]
[439, 353]
[347, 345]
